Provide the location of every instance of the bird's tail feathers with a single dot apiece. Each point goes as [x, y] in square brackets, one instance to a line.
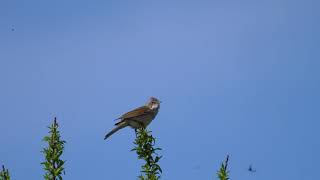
[120, 125]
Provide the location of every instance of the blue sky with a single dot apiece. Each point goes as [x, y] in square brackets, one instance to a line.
[235, 77]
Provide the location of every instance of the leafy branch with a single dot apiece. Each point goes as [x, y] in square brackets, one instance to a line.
[53, 164]
[145, 149]
[223, 173]
[4, 174]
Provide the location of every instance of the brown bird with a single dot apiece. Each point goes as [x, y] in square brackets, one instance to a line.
[138, 118]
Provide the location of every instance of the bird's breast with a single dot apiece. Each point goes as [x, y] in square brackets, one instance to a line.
[141, 121]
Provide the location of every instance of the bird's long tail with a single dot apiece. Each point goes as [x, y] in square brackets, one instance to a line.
[119, 126]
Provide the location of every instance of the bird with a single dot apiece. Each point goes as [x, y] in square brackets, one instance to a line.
[140, 117]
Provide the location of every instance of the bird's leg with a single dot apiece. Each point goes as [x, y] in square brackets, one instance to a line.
[141, 124]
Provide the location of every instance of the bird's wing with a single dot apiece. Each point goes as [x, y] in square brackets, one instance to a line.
[135, 113]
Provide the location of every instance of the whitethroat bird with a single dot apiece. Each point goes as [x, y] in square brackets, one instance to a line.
[138, 118]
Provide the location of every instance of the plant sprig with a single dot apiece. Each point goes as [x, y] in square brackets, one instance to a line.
[4, 174]
[53, 164]
[145, 149]
[223, 173]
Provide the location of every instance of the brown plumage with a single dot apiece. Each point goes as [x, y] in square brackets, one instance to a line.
[139, 117]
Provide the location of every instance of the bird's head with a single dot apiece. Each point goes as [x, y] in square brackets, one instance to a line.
[153, 103]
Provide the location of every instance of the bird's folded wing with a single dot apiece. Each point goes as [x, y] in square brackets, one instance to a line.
[136, 112]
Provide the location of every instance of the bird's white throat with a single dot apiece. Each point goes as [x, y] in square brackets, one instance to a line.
[155, 106]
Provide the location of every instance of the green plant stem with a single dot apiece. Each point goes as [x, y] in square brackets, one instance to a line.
[53, 164]
[4, 174]
[145, 149]
[223, 173]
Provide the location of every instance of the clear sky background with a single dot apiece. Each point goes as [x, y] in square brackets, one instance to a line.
[235, 77]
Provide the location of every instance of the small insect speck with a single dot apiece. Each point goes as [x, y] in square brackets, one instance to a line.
[250, 169]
